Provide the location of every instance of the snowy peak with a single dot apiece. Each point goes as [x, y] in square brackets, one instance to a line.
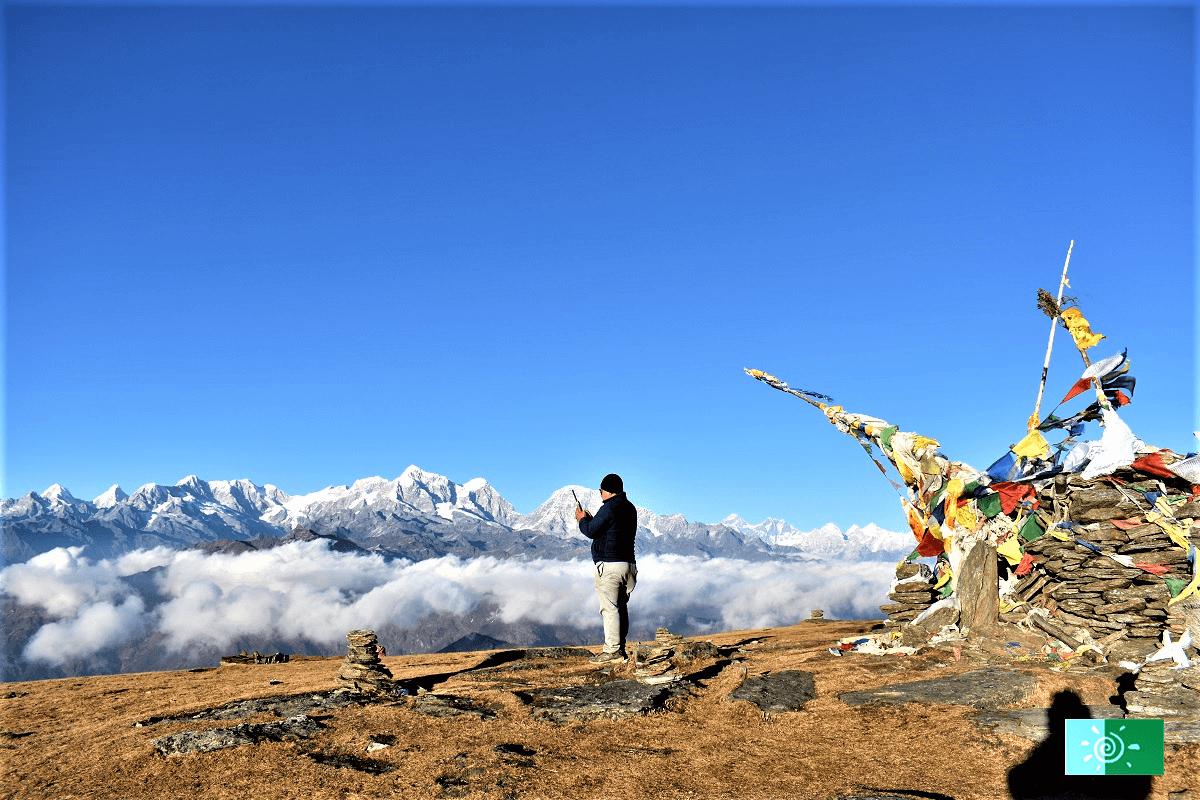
[557, 514]
[59, 494]
[770, 529]
[414, 493]
[110, 498]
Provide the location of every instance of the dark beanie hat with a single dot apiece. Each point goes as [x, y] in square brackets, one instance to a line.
[612, 484]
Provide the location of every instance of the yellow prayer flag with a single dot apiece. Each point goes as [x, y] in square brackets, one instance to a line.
[1011, 549]
[966, 517]
[1080, 330]
[919, 442]
[1032, 446]
[1174, 531]
[1191, 588]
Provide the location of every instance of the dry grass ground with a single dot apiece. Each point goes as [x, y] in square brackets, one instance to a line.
[76, 738]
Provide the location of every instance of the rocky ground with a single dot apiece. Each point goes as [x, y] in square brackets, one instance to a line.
[751, 714]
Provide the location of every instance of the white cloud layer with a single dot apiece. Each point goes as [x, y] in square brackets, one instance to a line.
[303, 590]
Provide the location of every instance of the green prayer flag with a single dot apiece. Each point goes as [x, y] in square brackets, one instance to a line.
[989, 505]
[885, 436]
[1175, 585]
[1031, 529]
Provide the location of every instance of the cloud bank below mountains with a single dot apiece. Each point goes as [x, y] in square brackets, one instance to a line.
[303, 590]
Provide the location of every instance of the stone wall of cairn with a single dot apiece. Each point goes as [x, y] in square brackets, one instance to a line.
[362, 669]
[1125, 609]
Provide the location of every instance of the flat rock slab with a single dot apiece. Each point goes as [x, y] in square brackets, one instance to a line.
[282, 706]
[987, 688]
[612, 700]
[1163, 701]
[557, 652]
[298, 727]
[777, 693]
[448, 705]
[1033, 723]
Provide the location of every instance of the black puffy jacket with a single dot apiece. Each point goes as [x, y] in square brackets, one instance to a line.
[612, 530]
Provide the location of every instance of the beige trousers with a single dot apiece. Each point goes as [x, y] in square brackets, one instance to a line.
[615, 581]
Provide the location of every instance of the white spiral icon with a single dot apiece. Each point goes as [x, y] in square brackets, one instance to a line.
[1109, 748]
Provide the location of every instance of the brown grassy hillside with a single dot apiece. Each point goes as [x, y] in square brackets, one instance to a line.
[77, 738]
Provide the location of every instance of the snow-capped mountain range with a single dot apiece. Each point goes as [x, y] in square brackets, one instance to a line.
[417, 515]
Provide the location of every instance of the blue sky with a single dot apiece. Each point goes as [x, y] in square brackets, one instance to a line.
[304, 245]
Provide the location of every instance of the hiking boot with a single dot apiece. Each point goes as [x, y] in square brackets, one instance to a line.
[617, 657]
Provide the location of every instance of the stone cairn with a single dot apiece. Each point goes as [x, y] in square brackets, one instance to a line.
[1091, 598]
[362, 669]
[1124, 609]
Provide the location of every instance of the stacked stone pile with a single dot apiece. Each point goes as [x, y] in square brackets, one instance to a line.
[1125, 606]
[660, 662]
[664, 638]
[362, 669]
[911, 594]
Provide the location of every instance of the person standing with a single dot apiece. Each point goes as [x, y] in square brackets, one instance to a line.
[612, 531]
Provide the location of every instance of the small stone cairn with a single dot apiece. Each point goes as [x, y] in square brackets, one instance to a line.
[660, 661]
[912, 593]
[362, 668]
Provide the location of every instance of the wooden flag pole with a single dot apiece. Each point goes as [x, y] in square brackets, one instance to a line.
[1035, 420]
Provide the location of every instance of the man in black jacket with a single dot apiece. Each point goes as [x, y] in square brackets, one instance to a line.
[612, 531]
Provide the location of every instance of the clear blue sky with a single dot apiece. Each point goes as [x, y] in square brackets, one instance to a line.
[305, 245]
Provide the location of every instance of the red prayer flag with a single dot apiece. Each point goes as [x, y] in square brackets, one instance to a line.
[1025, 565]
[1126, 524]
[1011, 495]
[930, 545]
[1120, 398]
[1081, 385]
[1153, 465]
[1157, 569]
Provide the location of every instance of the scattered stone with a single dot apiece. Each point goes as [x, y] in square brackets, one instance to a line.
[916, 634]
[344, 761]
[818, 615]
[256, 658]
[512, 749]
[985, 688]
[373, 746]
[297, 727]
[777, 693]
[362, 669]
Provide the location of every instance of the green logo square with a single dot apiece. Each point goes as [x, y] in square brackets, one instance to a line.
[1114, 746]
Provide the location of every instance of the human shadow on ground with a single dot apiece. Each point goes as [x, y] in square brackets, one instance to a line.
[1043, 776]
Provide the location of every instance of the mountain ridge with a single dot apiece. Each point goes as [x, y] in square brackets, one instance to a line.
[416, 515]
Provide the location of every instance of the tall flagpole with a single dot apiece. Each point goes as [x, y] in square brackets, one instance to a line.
[1036, 419]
